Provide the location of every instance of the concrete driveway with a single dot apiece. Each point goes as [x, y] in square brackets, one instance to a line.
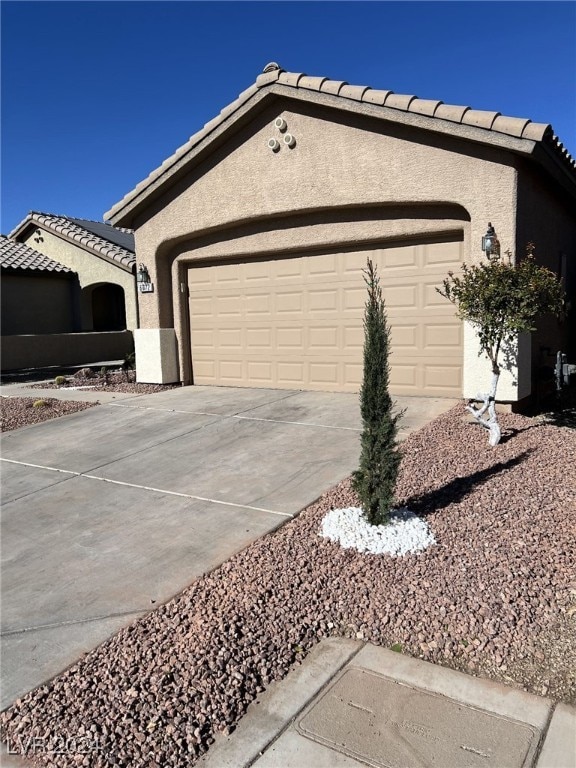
[109, 512]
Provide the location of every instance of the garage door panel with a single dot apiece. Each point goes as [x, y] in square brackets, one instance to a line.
[405, 375]
[437, 255]
[431, 296]
[443, 336]
[290, 339]
[290, 374]
[289, 302]
[440, 376]
[404, 338]
[324, 340]
[230, 339]
[261, 372]
[324, 373]
[322, 301]
[352, 376]
[298, 322]
[354, 298]
[324, 266]
[259, 338]
[229, 306]
[400, 296]
[398, 258]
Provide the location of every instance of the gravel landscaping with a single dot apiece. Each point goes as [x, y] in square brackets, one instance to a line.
[114, 381]
[18, 412]
[491, 597]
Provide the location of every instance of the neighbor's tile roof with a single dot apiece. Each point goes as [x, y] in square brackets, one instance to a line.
[113, 243]
[493, 122]
[14, 255]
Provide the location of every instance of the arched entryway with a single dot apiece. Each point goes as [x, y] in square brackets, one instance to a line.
[108, 308]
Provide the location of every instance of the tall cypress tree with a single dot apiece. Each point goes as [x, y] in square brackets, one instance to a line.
[375, 480]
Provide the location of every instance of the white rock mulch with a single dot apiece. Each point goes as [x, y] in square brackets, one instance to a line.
[405, 533]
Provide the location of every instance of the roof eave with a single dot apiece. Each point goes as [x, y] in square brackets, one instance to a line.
[125, 211]
[30, 223]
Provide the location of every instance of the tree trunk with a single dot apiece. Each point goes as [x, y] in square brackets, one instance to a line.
[489, 404]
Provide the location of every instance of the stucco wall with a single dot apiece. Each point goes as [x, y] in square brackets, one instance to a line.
[338, 161]
[36, 304]
[91, 269]
[32, 351]
[242, 198]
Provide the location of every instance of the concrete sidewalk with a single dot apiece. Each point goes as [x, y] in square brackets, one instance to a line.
[353, 704]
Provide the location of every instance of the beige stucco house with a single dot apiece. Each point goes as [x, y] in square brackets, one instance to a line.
[256, 230]
[102, 256]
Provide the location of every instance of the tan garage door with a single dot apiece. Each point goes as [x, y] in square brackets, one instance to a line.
[297, 323]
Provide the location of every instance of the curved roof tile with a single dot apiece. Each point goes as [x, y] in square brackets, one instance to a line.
[15, 255]
[333, 86]
[424, 106]
[90, 234]
[485, 120]
[480, 118]
[311, 83]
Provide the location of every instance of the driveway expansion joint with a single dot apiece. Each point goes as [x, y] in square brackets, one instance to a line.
[70, 622]
[145, 488]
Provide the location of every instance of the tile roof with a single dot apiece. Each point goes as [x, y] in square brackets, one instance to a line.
[273, 75]
[112, 243]
[14, 255]
[124, 238]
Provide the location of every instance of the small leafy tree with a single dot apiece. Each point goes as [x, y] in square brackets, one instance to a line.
[375, 480]
[501, 300]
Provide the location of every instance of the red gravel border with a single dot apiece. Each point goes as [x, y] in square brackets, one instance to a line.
[492, 598]
[16, 412]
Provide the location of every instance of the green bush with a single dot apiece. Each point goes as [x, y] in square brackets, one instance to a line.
[39, 404]
[59, 380]
[375, 480]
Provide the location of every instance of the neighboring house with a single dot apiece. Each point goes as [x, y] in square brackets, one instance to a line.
[255, 232]
[38, 293]
[102, 256]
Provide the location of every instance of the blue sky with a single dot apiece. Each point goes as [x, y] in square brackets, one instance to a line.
[95, 95]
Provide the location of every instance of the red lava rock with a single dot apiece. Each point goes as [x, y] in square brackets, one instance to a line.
[477, 601]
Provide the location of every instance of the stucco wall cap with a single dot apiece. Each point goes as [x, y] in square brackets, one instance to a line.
[333, 86]
[424, 106]
[375, 96]
[451, 112]
[399, 101]
[480, 118]
[537, 131]
[510, 125]
[291, 78]
[311, 83]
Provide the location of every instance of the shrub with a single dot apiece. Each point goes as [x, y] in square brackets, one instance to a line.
[39, 404]
[60, 380]
[375, 480]
[501, 300]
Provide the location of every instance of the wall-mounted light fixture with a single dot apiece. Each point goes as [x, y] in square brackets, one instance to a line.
[490, 243]
[143, 280]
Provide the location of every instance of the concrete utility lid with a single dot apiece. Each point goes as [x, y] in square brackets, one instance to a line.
[386, 723]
